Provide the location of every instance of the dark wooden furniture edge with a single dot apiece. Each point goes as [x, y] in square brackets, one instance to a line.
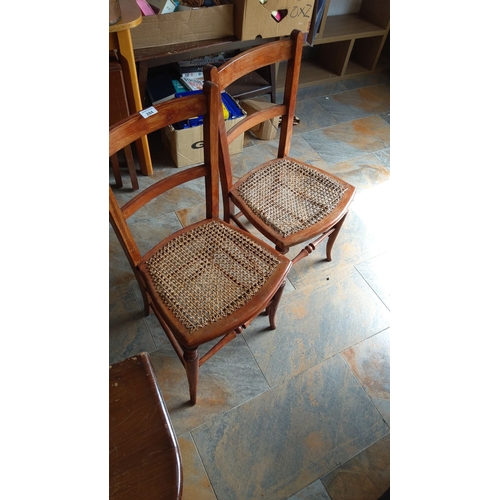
[144, 456]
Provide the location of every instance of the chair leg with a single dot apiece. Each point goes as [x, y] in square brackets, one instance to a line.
[333, 237]
[131, 167]
[116, 171]
[273, 306]
[282, 250]
[145, 299]
[192, 365]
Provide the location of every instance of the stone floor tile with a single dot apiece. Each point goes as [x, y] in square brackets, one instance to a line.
[363, 172]
[366, 81]
[226, 380]
[376, 272]
[312, 116]
[384, 156]
[315, 323]
[364, 477]
[273, 446]
[365, 234]
[347, 140]
[370, 362]
[128, 332]
[314, 491]
[196, 484]
[359, 103]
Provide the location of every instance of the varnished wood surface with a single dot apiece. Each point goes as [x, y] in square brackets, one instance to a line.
[289, 51]
[144, 457]
[347, 27]
[131, 16]
[230, 323]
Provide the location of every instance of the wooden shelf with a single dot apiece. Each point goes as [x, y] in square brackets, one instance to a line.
[348, 27]
[346, 46]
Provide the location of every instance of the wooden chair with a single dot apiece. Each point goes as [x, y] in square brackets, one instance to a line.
[288, 201]
[209, 280]
[118, 109]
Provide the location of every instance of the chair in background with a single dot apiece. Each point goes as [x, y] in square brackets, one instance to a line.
[210, 279]
[118, 110]
[288, 201]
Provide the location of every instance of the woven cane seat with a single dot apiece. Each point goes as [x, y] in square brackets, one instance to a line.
[205, 274]
[290, 196]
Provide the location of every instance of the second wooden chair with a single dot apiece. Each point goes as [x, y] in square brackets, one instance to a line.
[288, 201]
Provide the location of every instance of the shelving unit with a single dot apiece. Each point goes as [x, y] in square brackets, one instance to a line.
[346, 45]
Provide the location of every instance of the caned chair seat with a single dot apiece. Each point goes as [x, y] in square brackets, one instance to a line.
[207, 274]
[290, 197]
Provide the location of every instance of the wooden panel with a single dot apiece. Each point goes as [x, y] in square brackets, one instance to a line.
[366, 51]
[376, 12]
[144, 457]
[334, 56]
[347, 27]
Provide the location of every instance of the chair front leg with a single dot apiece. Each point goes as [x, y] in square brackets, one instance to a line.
[333, 237]
[273, 306]
[191, 363]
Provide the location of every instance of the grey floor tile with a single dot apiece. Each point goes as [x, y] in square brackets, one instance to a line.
[347, 140]
[312, 116]
[363, 172]
[276, 444]
[301, 412]
[364, 477]
[365, 234]
[366, 81]
[196, 484]
[129, 333]
[370, 362]
[376, 272]
[384, 156]
[386, 117]
[315, 323]
[359, 103]
[226, 380]
[314, 491]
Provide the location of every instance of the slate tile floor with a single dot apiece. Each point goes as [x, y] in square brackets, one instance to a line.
[301, 412]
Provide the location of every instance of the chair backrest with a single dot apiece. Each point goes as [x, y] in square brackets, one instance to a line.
[289, 51]
[134, 127]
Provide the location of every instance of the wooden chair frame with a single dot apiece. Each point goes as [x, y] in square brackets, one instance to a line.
[186, 343]
[289, 51]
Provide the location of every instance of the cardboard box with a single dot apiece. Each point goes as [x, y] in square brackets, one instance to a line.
[205, 23]
[266, 130]
[186, 146]
[164, 6]
[270, 19]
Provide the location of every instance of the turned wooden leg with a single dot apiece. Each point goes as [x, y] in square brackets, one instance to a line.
[191, 362]
[333, 237]
[273, 306]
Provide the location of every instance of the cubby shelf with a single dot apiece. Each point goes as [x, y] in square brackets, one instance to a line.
[347, 27]
[346, 46]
